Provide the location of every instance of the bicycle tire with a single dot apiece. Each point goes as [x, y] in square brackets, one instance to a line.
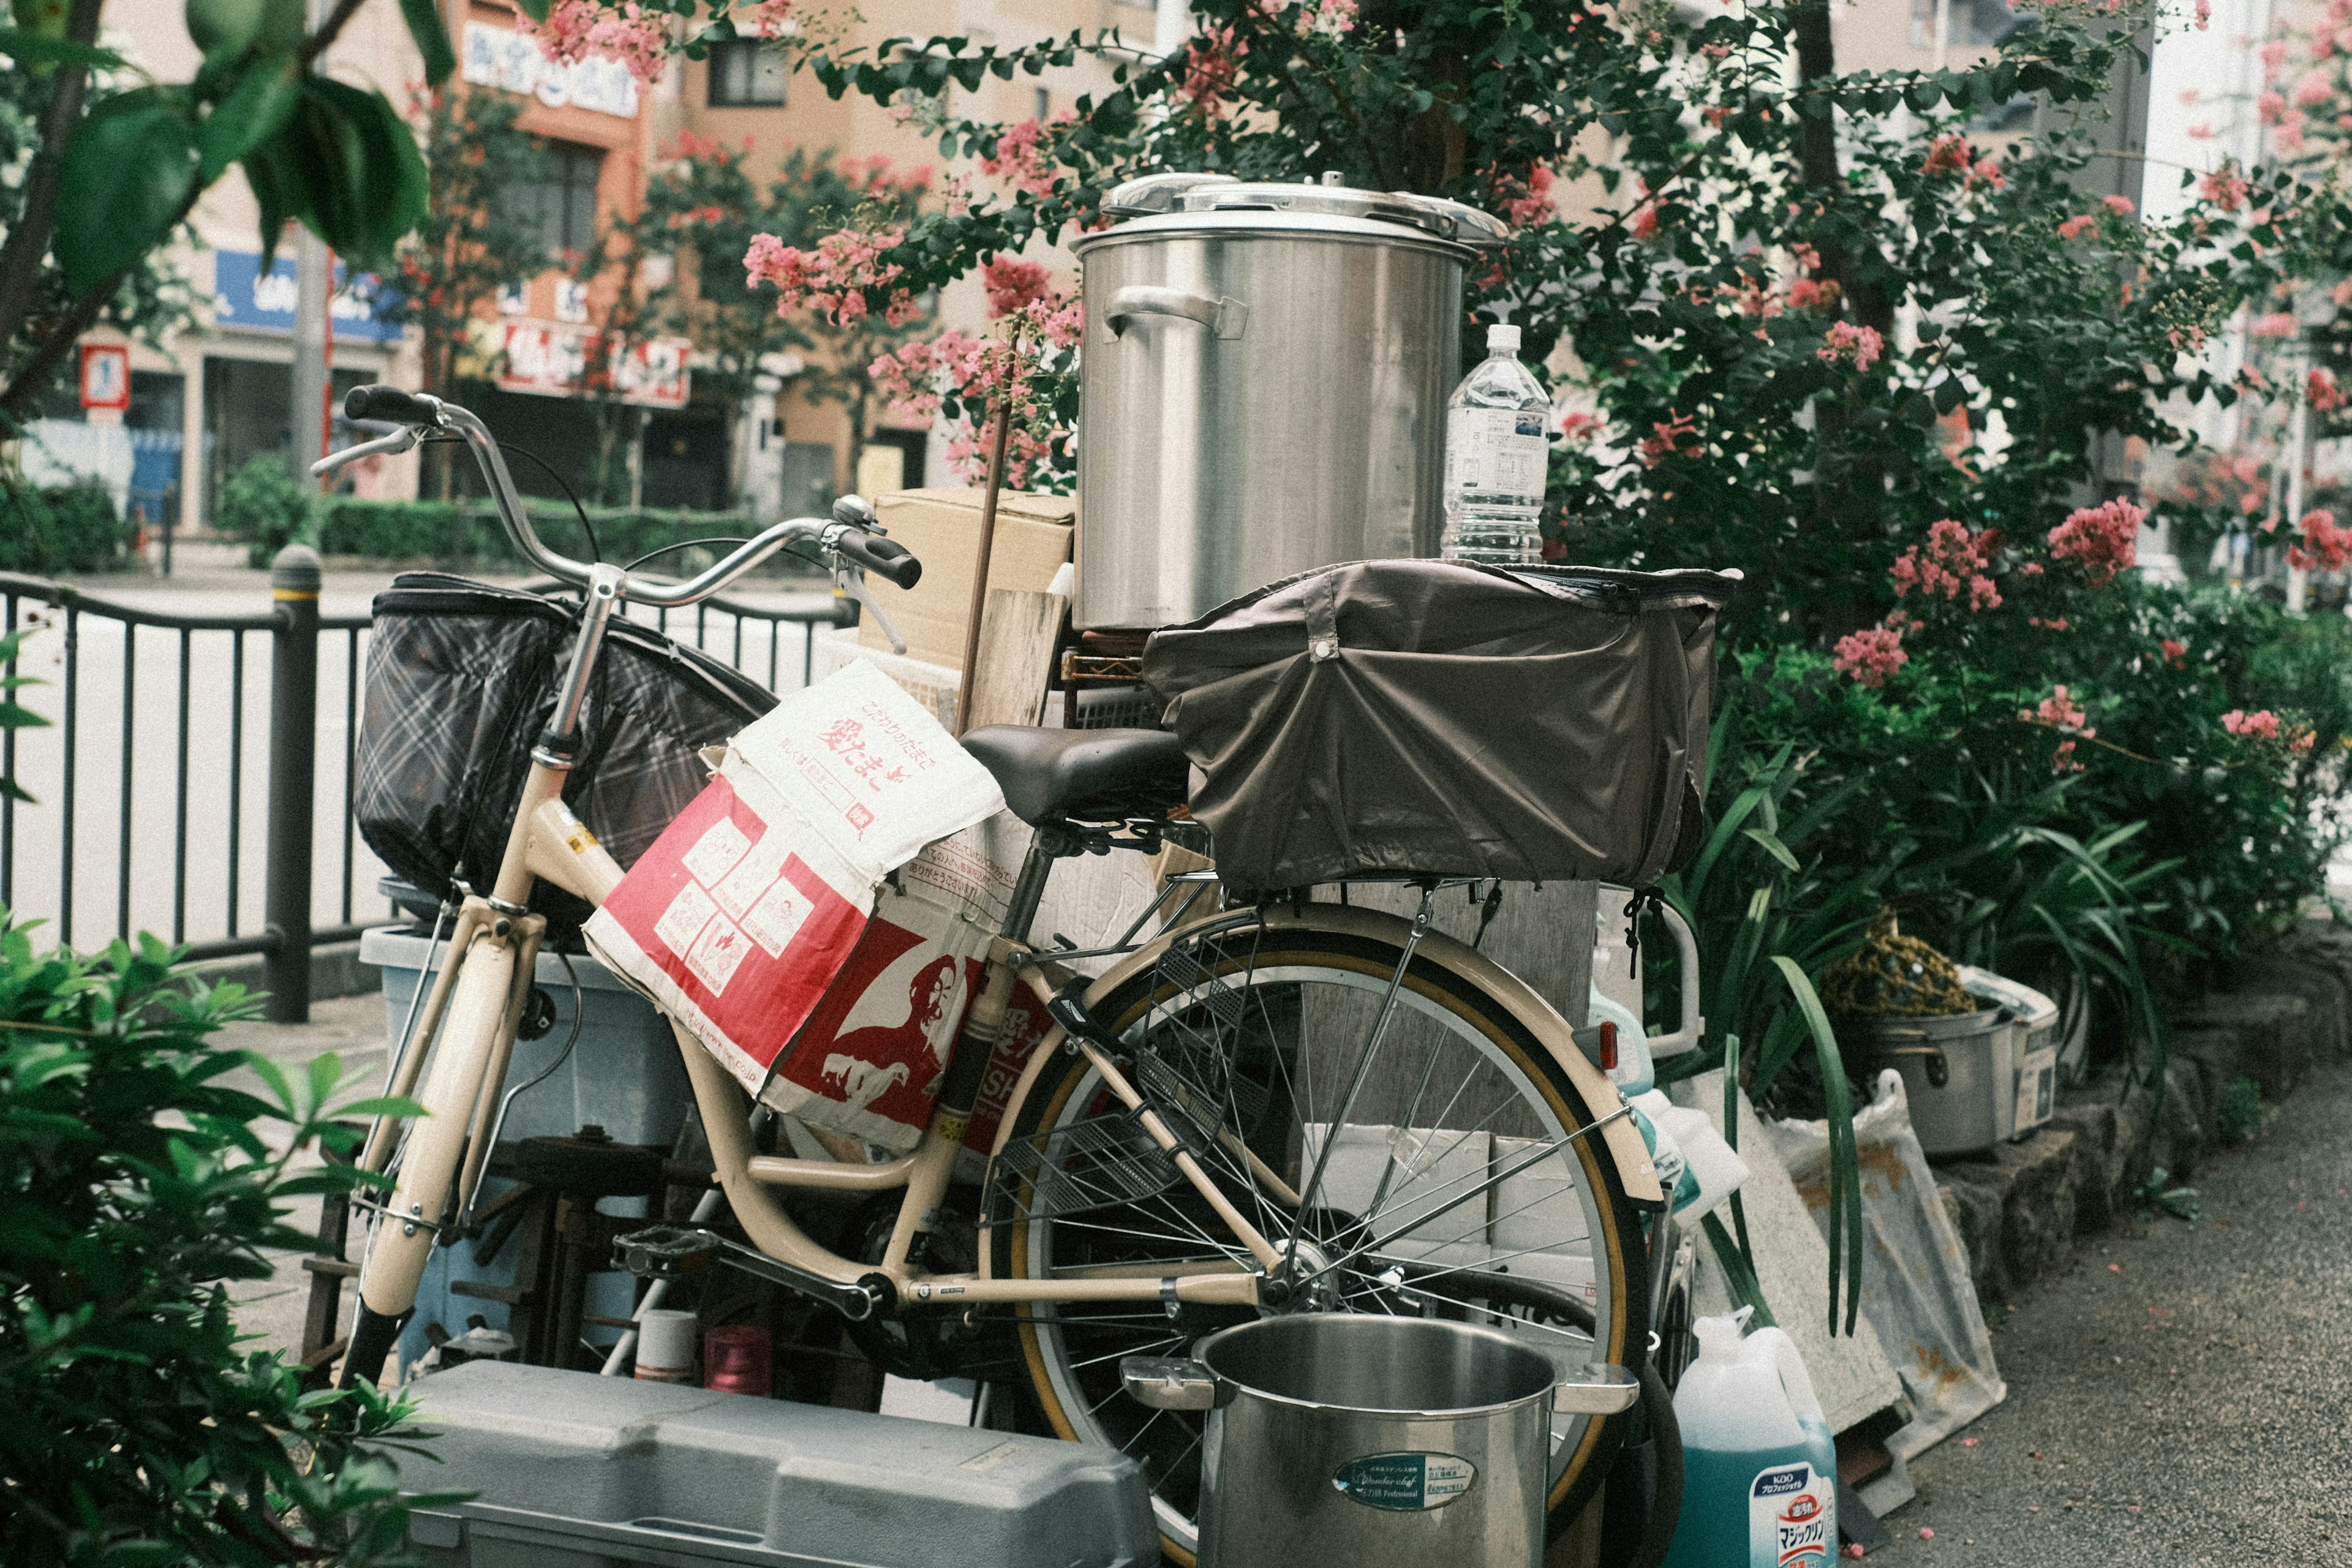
[1024, 1242]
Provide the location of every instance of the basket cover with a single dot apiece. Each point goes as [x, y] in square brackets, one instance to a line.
[461, 678]
[1427, 718]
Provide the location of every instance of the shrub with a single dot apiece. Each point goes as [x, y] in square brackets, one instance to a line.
[73, 528]
[141, 1430]
[2238, 1116]
[263, 504]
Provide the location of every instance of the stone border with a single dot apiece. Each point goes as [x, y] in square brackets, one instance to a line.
[2021, 1207]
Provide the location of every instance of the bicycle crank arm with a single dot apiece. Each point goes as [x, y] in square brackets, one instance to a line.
[673, 1251]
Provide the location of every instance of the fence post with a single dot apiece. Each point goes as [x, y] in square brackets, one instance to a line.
[294, 579]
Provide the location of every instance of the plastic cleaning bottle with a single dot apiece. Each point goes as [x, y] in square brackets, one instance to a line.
[1496, 459]
[1759, 1488]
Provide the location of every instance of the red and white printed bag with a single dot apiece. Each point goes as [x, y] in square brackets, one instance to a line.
[743, 916]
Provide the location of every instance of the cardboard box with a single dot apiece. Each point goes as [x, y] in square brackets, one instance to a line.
[743, 913]
[1034, 539]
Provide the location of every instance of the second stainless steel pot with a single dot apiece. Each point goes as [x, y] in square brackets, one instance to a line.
[1263, 388]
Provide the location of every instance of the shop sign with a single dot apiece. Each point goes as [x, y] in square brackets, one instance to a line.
[251, 300]
[551, 360]
[105, 383]
[496, 57]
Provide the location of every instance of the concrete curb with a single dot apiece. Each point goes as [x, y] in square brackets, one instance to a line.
[2020, 1208]
[335, 971]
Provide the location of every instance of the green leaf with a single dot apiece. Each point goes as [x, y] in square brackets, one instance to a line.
[1738, 1277]
[124, 176]
[265, 94]
[346, 165]
[534, 9]
[1772, 847]
[1845, 1168]
[28, 47]
[431, 36]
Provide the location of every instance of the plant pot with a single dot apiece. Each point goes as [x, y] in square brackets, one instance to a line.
[1974, 1080]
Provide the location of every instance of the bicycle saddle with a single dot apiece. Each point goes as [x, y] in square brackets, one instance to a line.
[1091, 775]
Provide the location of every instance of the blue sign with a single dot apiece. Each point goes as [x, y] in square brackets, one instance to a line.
[245, 299]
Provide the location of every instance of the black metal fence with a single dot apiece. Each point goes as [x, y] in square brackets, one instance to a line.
[157, 727]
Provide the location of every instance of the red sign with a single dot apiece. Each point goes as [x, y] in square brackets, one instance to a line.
[105, 378]
[551, 360]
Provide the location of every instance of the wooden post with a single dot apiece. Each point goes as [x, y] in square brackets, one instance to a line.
[996, 440]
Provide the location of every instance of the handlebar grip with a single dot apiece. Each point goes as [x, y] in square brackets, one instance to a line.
[881, 557]
[391, 405]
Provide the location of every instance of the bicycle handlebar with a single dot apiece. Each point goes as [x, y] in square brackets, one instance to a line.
[420, 412]
[881, 557]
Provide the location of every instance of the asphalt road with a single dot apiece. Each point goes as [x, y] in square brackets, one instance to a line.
[2182, 1395]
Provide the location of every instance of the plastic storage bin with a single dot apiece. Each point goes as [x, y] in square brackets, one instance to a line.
[1977, 1079]
[624, 1075]
[579, 1472]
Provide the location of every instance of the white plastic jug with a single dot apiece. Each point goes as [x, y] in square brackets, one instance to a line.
[1760, 1468]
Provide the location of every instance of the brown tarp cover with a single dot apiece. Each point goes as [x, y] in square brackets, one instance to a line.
[1429, 718]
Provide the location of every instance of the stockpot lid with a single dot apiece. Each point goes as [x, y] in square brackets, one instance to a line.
[1174, 204]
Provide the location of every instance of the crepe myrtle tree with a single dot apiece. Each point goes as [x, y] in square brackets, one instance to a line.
[115, 169]
[1809, 317]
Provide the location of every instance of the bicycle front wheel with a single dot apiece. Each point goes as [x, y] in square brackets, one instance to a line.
[1433, 1164]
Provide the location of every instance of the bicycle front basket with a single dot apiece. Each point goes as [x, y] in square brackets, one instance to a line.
[1427, 718]
[461, 678]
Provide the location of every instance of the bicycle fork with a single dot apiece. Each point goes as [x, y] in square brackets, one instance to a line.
[444, 1155]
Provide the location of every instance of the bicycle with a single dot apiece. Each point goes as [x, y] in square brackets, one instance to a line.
[1293, 1107]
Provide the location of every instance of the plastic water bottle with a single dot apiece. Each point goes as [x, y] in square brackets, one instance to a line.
[1496, 459]
[1760, 1478]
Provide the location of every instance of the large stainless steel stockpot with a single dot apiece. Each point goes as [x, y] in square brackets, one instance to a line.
[1263, 386]
[1370, 1440]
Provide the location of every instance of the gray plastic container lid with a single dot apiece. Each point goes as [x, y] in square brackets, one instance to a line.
[575, 1469]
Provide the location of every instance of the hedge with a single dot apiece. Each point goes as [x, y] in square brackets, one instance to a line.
[72, 528]
[467, 533]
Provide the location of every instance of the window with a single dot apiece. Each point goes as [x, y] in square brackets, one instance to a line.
[747, 73]
[1045, 105]
[563, 199]
[1975, 24]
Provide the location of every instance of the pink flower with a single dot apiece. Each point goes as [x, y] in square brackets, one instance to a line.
[2119, 205]
[1870, 656]
[833, 279]
[1011, 284]
[2320, 389]
[2204, 14]
[2105, 539]
[2274, 55]
[1862, 344]
[1666, 437]
[2201, 132]
[1332, 18]
[576, 30]
[1811, 294]
[2225, 188]
[1947, 154]
[763, 19]
[2269, 106]
[2076, 227]
[1952, 559]
[1211, 65]
[2277, 324]
[1527, 202]
[2176, 653]
[2323, 543]
[2263, 724]
[2061, 711]
[1023, 156]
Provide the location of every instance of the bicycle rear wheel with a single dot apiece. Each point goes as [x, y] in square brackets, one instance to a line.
[1455, 1182]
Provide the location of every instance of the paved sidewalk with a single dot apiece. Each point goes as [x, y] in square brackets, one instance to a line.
[353, 1028]
[2182, 1397]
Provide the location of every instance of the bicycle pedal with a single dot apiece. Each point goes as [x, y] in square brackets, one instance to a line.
[666, 1251]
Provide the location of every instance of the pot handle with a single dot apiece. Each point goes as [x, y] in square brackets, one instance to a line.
[1939, 1071]
[1225, 317]
[1167, 1381]
[1596, 1388]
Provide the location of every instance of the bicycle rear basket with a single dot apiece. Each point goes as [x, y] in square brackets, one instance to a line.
[1426, 718]
[461, 678]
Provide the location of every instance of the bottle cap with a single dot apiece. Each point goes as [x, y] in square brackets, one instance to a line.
[1502, 338]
